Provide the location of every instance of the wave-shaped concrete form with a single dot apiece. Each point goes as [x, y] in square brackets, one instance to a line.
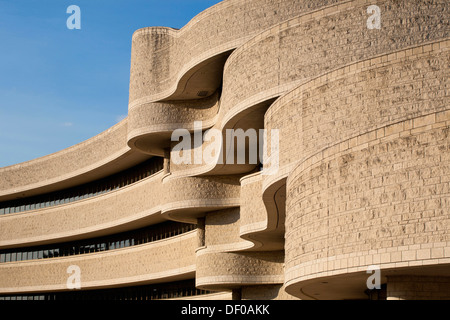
[114, 212]
[172, 65]
[150, 201]
[354, 196]
[363, 119]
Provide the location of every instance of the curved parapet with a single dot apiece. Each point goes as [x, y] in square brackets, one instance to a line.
[103, 155]
[384, 205]
[315, 43]
[312, 116]
[263, 225]
[162, 58]
[187, 199]
[369, 189]
[362, 120]
[264, 68]
[227, 270]
[175, 66]
[154, 123]
[115, 211]
[165, 260]
[225, 261]
[150, 201]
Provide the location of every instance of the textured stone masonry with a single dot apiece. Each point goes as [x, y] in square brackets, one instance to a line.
[364, 122]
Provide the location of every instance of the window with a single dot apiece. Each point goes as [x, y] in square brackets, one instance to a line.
[126, 239]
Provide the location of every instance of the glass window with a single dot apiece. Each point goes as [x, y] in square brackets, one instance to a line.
[66, 251]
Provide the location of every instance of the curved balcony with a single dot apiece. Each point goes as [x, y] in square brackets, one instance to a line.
[166, 260]
[350, 101]
[196, 66]
[227, 270]
[189, 198]
[363, 119]
[150, 201]
[378, 201]
[123, 209]
[265, 67]
[263, 225]
[93, 159]
[253, 77]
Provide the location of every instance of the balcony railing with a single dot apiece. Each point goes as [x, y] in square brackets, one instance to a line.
[85, 191]
[122, 240]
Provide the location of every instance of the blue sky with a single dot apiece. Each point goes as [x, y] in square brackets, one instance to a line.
[59, 87]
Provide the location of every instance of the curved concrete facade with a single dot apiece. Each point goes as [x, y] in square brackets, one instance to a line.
[159, 261]
[363, 122]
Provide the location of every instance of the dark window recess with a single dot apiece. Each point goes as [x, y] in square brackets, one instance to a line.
[171, 290]
[84, 191]
[121, 240]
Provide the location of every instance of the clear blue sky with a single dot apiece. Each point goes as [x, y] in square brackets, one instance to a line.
[59, 87]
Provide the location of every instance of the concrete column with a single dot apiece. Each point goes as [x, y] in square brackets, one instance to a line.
[200, 232]
[167, 160]
[236, 294]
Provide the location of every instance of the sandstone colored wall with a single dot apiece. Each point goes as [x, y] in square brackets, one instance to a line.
[85, 158]
[172, 258]
[84, 218]
[222, 270]
[379, 202]
[364, 143]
